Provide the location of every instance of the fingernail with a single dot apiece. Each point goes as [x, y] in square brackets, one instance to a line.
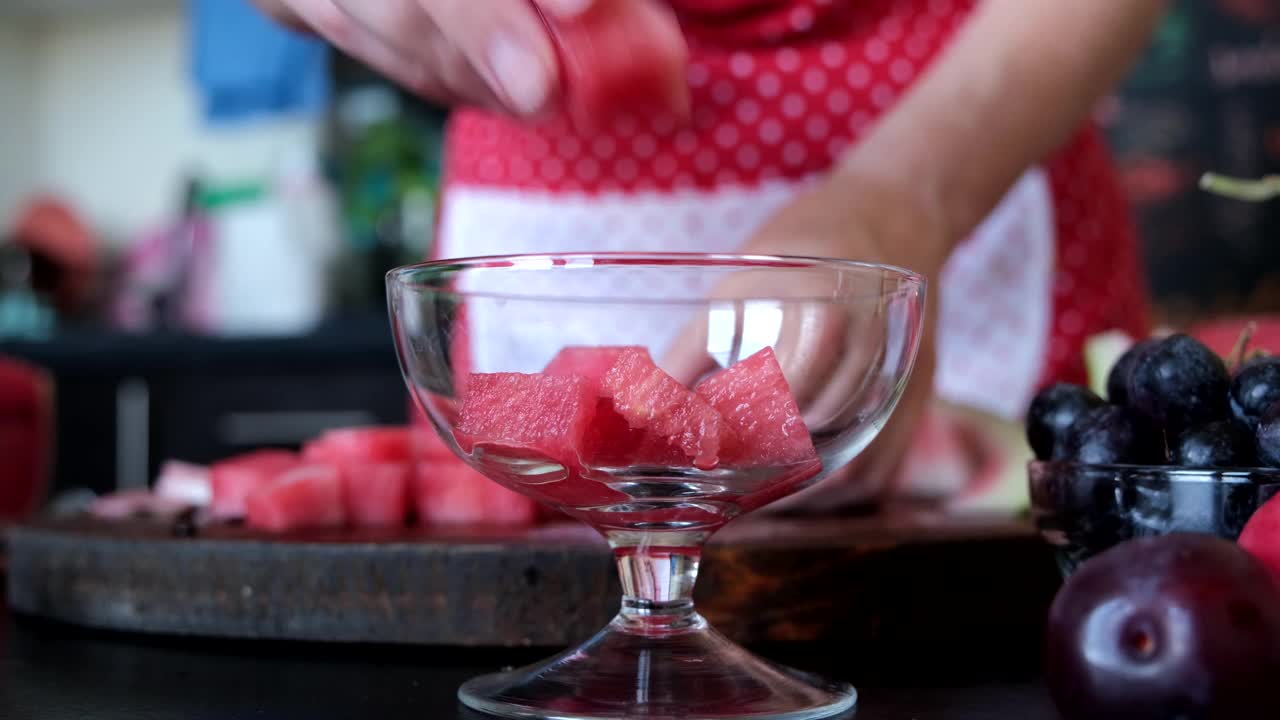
[566, 8]
[520, 73]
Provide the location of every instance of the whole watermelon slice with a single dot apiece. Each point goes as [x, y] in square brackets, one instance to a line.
[755, 400]
[650, 399]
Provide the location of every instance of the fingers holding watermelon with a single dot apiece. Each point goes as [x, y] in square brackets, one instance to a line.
[830, 350]
[827, 354]
[620, 57]
[587, 58]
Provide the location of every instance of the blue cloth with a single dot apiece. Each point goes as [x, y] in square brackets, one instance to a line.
[247, 68]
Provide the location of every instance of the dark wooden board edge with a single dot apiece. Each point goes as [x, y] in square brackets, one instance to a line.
[770, 581]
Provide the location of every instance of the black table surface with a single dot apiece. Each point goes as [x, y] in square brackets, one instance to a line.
[56, 672]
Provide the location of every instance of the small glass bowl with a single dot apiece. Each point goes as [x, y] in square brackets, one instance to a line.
[1083, 510]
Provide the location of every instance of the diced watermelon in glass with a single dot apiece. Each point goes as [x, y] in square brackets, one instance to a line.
[611, 441]
[754, 398]
[588, 362]
[234, 479]
[650, 399]
[452, 493]
[526, 416]
[376, 494]
[306, 497]
[362, 444]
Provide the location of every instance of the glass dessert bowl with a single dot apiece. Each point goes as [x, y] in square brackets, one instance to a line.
[656, 397]
[1083, 509]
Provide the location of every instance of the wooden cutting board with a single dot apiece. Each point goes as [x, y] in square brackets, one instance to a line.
[894, 581]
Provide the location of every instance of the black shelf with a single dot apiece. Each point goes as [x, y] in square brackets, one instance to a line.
[354, 340]
[126, 403]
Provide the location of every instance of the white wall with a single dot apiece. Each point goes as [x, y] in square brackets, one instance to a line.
[116, 120]
[17, 117]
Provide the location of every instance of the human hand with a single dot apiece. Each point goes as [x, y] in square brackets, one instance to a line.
[520, 57]
[857, 215]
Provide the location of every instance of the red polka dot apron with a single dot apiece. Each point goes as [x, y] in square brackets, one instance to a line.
[780, 89]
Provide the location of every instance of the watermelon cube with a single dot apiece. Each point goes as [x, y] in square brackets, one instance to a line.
[308, 496]
[650, 399]
[362, 444]
[527, 416]
[376, 494]
[591, 363]
[234, 479]
[452, 493]
[755, 400]
[621, 59]
[612, 441]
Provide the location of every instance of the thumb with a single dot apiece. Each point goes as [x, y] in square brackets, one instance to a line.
[508, 44]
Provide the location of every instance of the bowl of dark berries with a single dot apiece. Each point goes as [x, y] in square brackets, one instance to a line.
[1179, 439]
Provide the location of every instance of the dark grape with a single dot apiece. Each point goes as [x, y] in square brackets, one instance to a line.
[1053, 411]
[1110, 435]
[1118, 378]
[1177, 626]
[1224, 443]
[1268, 437]
[1255, 388]
[1179, 383]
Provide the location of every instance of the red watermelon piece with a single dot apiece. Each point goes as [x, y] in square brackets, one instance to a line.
[612, 441]
[620, 57]
[376, 494]
[1261, 535]
[307, 496]
[591, 363]
[26, 437]
[452, 493]
[234, 479]
[755, 400]
[387, 444]
[650, 399]
[520, 415]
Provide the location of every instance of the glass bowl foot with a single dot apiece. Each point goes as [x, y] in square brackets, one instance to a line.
[626, 672]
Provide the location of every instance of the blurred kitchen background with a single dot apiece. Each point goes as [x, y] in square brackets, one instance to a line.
[196, 211]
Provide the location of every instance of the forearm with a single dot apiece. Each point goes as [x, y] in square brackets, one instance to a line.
[1012, 86]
